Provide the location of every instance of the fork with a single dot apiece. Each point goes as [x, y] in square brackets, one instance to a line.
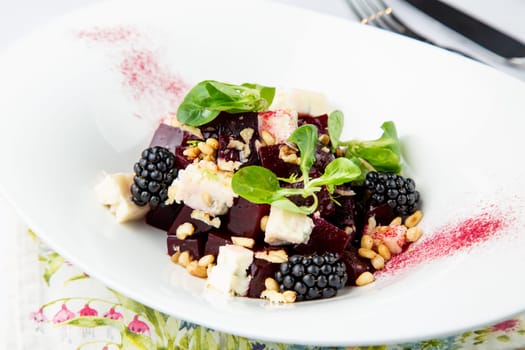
[378, 14]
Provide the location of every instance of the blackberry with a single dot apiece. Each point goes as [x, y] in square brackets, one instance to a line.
[398, 192]
[312, 276]
[154, 173]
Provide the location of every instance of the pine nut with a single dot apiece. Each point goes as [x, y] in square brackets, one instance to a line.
[205, 148]
[273, 296]
[289, 296]
[339, 152]
[196, 270]
[274, 256]
[206, 260]
[184, 230]
[264, 221]
[191, 152]
[175, 257]
[383, 250]
[267, 138]
[396, 222]
[213, 143]
[366, 253]
[378, 262]
[324, 139]
[243, 241]
[364, 279]
[367, 242]
[414, 219]
[413, 234]
[184, 258]
[271, 284]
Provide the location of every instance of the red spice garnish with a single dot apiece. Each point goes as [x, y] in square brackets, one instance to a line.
[109, 35]
[449, 240]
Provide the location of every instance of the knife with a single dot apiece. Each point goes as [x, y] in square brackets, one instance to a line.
[471, 28]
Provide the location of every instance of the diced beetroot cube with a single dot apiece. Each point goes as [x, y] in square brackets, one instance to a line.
[322, 159]
[181, 162]
[194, 244]
[325, 237]
[382, 213]
[260, 269]
[321, 122]
[244, 218]
[183, 216]
[348, 215]
[169, 137]
[232, 145]
[269, 157]
[163, 216]
[216, 240]
[355, 265]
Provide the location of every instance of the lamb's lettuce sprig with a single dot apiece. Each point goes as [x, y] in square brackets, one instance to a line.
[207, 99]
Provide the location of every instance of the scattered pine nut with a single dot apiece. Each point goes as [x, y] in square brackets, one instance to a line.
[364, 279]
[378, 262]
[206, 260]
[414, 219]
[185, 230]
[383, 250]
[267, 138]
[271, 284]
[196, 270]
[367, 242]
[273, 296]
[396, 222]
[289, 296]
[184, 258]
[264, 221]
[205, 148]
[213, 143]
[175, 257]
[243, 241]
[366, 253]
[324, 139]
[414, 233]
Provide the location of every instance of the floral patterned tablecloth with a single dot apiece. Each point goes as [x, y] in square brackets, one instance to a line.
[56, 306]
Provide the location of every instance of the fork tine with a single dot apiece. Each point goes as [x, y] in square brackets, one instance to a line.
[358, 10]
[384, 15]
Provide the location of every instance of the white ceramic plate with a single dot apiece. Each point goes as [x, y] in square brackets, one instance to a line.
[85, 94]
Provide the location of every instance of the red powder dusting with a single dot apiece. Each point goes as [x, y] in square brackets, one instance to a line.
[449, 240]
[109, 35]
[145, 76]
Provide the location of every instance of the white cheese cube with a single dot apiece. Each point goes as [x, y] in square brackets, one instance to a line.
[230, 274]
[302, 101]
[285, 227]
[280, 123]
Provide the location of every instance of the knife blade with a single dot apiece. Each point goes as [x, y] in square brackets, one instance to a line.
[471, 28]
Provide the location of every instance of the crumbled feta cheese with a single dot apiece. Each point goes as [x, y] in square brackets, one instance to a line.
[280, 123]
[114, 192]
[230, 274]
[285, 227]
[203, 189]
[302, 101]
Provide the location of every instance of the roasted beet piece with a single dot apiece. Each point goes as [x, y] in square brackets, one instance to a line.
[321, 122]
[269, 157]
[194, 244]
[349, 214]
[355, 265]
[170, 137]
[181, 162]
[259, 270]
[322, 159]
[244, 218]
[216, 240]
[183, 216]
[163, 216]
[325, 237]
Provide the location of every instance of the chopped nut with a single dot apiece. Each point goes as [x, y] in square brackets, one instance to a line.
[185, 230]
[206, 260]
[367, 242]
[349, 229]
[213, 143]
[364, 279]
[175, 257]
[196, 270]
[414, 219]
[325, 149]
[414, 233]
[246, 134]
[273, 296]
[267, 138]
[184, 258]
[371, 227]
[236, 144]
[378, 262]
[206, 218]
[339, 152]
[396, 221]
[271, 284]
[264, 221]
[288, 155]
[366, 253]
[383, 250]
[274, 256]
[324, 139]
[229, 165]
[205, 148]
[191, 153]
[243, 241]
[289, 296]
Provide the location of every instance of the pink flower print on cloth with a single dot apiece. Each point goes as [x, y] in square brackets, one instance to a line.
[113, 315]
[39, 316]
[63, 315]
[137, 326]
[87, 311]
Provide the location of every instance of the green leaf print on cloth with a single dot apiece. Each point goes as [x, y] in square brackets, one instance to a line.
[114, 321]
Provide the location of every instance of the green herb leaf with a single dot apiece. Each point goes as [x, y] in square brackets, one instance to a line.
[207, 99]
[337, 172]
[384, 154]
[286, 204]
[335, 127]
[256, 184]
[305, 137]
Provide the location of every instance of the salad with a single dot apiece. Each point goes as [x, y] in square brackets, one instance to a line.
[260, 196]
